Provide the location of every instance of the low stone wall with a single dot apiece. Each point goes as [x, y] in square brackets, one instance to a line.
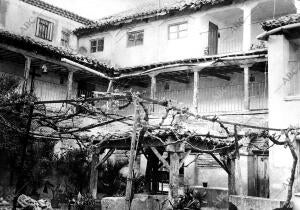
[139, 202]
[253, 203]
[216, 198]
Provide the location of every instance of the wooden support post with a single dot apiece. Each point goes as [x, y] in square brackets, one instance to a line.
[196, 91]
[246, 88]
[132, 156]
[94, 176]
[70, 84]
[110, 86]
[174, 177]
[153, 88]
[231, 177]
[26, 74]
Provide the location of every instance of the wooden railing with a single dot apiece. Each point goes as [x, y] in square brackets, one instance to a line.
[228, 98]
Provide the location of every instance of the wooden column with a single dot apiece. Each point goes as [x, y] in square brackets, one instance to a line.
[174, 177]
[175, 151]
[246, 88]
[196, 92]
[70, 84]
[26, 74]
[132, 156]
[94, 176]
[232, 190]
[110, 86]
[153, 88]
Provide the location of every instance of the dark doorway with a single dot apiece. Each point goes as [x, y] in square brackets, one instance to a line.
[213, 35]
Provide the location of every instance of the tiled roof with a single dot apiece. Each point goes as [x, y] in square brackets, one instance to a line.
[146, 11]
[281, 21]
[41, 48]
[59, 11]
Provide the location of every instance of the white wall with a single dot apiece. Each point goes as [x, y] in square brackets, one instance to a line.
[283, 112]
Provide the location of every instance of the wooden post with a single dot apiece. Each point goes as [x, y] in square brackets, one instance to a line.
[196, 92]
[153, 88]
[246, 88]
[132, 156]
[110, 86]
[70, 84]
[231, 177]
[26, 74]
[174, 177]
[94, 176]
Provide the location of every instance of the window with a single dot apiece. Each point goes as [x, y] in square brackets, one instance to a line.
[135, 38]
[178, 30]
[97, 45]
[44, 29]
[65, 38]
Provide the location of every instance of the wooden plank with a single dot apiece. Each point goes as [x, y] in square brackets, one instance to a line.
[26, 74]
[132, 156]
[158, 155]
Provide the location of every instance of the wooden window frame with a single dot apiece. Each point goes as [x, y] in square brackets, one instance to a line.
[44, 29]
[178, 30]
[98, 48]
[135, 41]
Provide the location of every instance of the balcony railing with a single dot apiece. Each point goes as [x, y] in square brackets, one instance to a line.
[219, 99]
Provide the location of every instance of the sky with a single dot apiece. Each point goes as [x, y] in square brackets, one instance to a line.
[95, 9]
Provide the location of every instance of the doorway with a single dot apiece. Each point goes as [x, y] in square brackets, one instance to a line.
[213, 35]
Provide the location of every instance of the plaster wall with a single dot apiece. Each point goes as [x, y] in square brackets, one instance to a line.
[283, 111]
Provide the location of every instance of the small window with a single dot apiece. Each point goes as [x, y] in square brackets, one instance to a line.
[178, 30]
[135, 38]
[65, 38]
[97, 45]
[44, 29]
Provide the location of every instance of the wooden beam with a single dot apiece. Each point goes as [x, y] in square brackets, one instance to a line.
[132, 156]
[196, 91]
[105, 158]
[26, 74]
[158, 155]
[184, 158]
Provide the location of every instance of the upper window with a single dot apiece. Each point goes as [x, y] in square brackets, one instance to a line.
[65, 38]
[97, 45]
[178, 30]
[44, 29]
[135, 38]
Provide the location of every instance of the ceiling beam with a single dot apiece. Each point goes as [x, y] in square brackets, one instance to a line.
[174, 78]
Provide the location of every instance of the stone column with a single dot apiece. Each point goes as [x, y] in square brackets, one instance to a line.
[153, 88]
[70, 84]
